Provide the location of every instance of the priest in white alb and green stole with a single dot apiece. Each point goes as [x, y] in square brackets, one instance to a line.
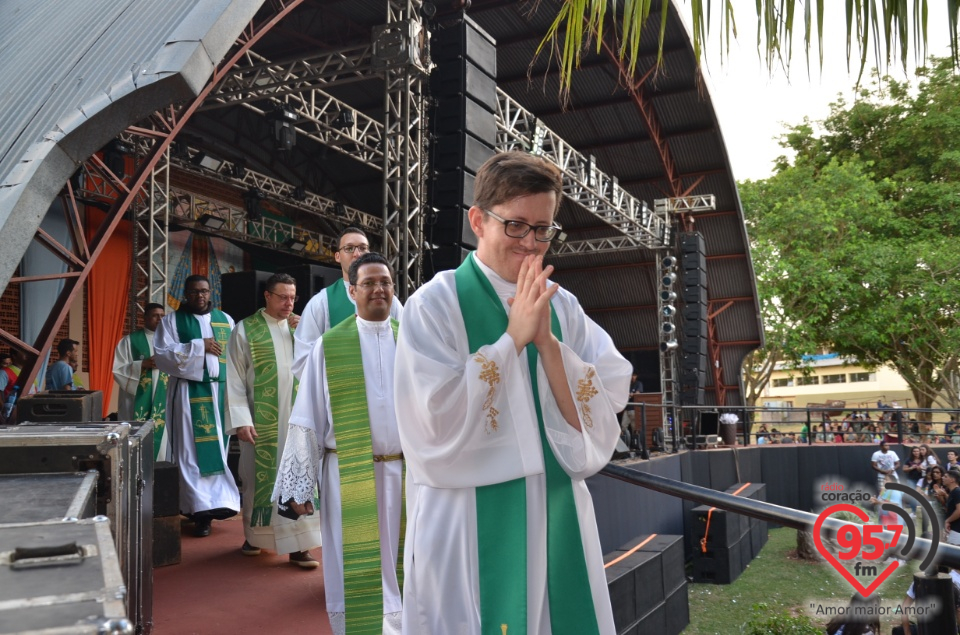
[333, 304]
[507, 396]
[191, 347]
[343, 433]
[143, 388]
[260, 393]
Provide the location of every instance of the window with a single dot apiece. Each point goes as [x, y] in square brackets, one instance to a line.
[855, 377]
[835, 379]
[808, 381]
[783, 383]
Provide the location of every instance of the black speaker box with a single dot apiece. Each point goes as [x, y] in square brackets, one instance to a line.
[723, 529]
[653, 623]
[692, 277]
[311, 279]
[463, 114]
[696, 346]
[691, 396]
[694, 311]
[460, 77]
[621, 583]
[677, 610]
[241, 293]
[462, 150]
[720, 565]
[166, 540]
[694, 328]
[442, 259]
[61, 406]
[694, 294]
[758, 536]
[453, 189]
[693, 361]
[465, 39]
[166, 489]
[693, 261]
[693, 377]
[691, 242]
[452, 228]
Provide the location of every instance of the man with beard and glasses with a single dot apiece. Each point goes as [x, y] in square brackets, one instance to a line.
[333, 304]
[343, 432]
[191, 346]
[143, 388]
[507, 400]
[260, 393]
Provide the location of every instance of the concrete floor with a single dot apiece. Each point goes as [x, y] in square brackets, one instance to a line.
[215, 590]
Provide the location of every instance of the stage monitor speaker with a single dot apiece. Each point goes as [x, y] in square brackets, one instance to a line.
[459, 77]
[465, 39]
[463, 114]
[61, 406]
[241, 293]
[442, 259]
[311, 279]
[462, 151]
[452, 227]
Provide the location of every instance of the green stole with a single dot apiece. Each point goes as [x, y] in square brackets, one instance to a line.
[501, 508]
[362, 575]
[266, 414]
[148, 404]
[338, 303]
[205, 437]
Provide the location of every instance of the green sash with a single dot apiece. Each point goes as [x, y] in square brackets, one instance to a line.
[205, 437]
[148, 404]
[338, 303]
[362, 575]
[501, 508]
[266, 414]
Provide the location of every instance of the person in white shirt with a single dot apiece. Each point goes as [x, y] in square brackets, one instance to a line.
[885, 461]
[507, 400]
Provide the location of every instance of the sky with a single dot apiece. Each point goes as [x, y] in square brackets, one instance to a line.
[752, 106]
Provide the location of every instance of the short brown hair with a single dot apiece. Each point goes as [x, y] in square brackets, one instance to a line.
[509, 175]
[280, 278]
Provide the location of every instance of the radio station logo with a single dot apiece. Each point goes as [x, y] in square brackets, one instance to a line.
[865, 553]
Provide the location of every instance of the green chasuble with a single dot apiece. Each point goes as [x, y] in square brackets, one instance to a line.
[147, 402]
[501, 508]
[205, 437]
[266, 414]
[362, 575]
[338, 303]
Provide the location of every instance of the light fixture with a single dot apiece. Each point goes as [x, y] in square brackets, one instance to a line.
[299, 193]
[667, 328]
[339, 209]
[668, 311]
[295, 244]
[284, 132]
[668, 346]
[344, 119]
[428, 10]
[669, 278]
[204, 160]
[238, 169]
[668, 262]
[252, 202]
[668, 296]
[211, 222]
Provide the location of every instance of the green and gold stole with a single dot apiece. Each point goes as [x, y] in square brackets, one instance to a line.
[362, 575]
[147, 403]
[338, 303]
[501, 508]
[266, 414]
[205, 437]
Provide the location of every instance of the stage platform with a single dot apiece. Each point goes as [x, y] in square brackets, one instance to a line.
[215, 590]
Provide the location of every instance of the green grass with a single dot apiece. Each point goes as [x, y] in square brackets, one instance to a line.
[776, 577]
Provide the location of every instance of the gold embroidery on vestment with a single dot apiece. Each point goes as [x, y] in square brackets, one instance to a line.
[490, 374]
[586, 392]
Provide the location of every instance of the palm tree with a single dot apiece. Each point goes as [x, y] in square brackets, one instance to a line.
[888, 28]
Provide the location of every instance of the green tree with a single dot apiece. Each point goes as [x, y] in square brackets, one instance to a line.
[863, 225]
[887, 28]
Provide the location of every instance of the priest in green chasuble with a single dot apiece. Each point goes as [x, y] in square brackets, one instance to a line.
[143, 388]
[334, 303]
[260, 393]
[507, 400]
[343, 435]
[191, 347]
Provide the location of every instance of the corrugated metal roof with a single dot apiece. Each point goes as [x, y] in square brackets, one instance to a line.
[74, 74]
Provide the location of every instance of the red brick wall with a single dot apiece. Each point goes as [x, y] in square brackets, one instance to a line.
[10, 311]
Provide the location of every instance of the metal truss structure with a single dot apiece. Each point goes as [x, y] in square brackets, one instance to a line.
[584, 183]
[685, 204]
[150, 241]
[668, 356]
[401, 50]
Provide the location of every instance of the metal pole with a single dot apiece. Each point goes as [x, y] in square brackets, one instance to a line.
[644, 453]
[938, 587]
[810, 432]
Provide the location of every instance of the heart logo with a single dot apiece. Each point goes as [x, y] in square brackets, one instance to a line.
[855, 583]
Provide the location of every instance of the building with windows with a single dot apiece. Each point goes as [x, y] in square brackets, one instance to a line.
[834, 378]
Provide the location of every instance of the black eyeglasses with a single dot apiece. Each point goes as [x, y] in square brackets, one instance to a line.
[284, 298]
[370, 285]
[519, 229]
[352, 248]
